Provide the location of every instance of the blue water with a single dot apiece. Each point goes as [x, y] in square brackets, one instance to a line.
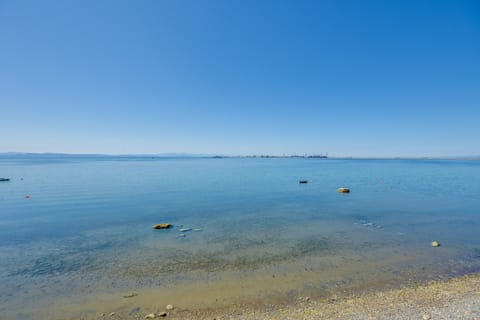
[86, 227]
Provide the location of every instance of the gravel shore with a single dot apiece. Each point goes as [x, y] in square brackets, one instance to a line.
[453, 299]
[456, 298]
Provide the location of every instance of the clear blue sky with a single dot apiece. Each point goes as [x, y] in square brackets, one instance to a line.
[360, 78]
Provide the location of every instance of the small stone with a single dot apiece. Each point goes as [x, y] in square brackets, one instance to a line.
[112, 314]
[169, 307]
[426, 317]
[435, 244]
[162, 226]
[162, 314]
[150, 316]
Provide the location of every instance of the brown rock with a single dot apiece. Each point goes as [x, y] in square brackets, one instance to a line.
[343, 190]
[162, 226]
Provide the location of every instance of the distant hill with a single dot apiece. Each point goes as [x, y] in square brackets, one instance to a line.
[91, 155]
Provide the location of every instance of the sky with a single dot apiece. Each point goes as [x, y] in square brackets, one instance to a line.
[347, 78]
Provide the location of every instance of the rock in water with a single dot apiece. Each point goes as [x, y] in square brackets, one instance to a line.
[131, 295]
[435, 244]
[343, 190]
[150, 316]
[162, 226]
[169, 307]
[162, 314]
[185, 229]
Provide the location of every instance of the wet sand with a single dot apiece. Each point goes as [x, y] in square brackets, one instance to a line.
[456, 298]
[453, 299]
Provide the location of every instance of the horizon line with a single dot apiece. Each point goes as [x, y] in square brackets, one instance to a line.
[262, 155]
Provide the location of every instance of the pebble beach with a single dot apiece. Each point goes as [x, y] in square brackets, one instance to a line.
[457, 298]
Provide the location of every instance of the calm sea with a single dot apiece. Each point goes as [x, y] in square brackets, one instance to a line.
[75, 230]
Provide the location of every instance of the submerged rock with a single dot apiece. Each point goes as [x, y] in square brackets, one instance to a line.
[343, 190]
[302, 181]
[368, 223]
[4, 179]
[162, 226]
[435, 244]
[131, 295]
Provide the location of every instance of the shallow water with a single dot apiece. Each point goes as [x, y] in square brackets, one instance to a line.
[258, 234]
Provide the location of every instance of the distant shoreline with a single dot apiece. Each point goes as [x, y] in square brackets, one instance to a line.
[216, 156]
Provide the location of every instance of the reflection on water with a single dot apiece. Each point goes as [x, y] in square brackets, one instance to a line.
[86, 229]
